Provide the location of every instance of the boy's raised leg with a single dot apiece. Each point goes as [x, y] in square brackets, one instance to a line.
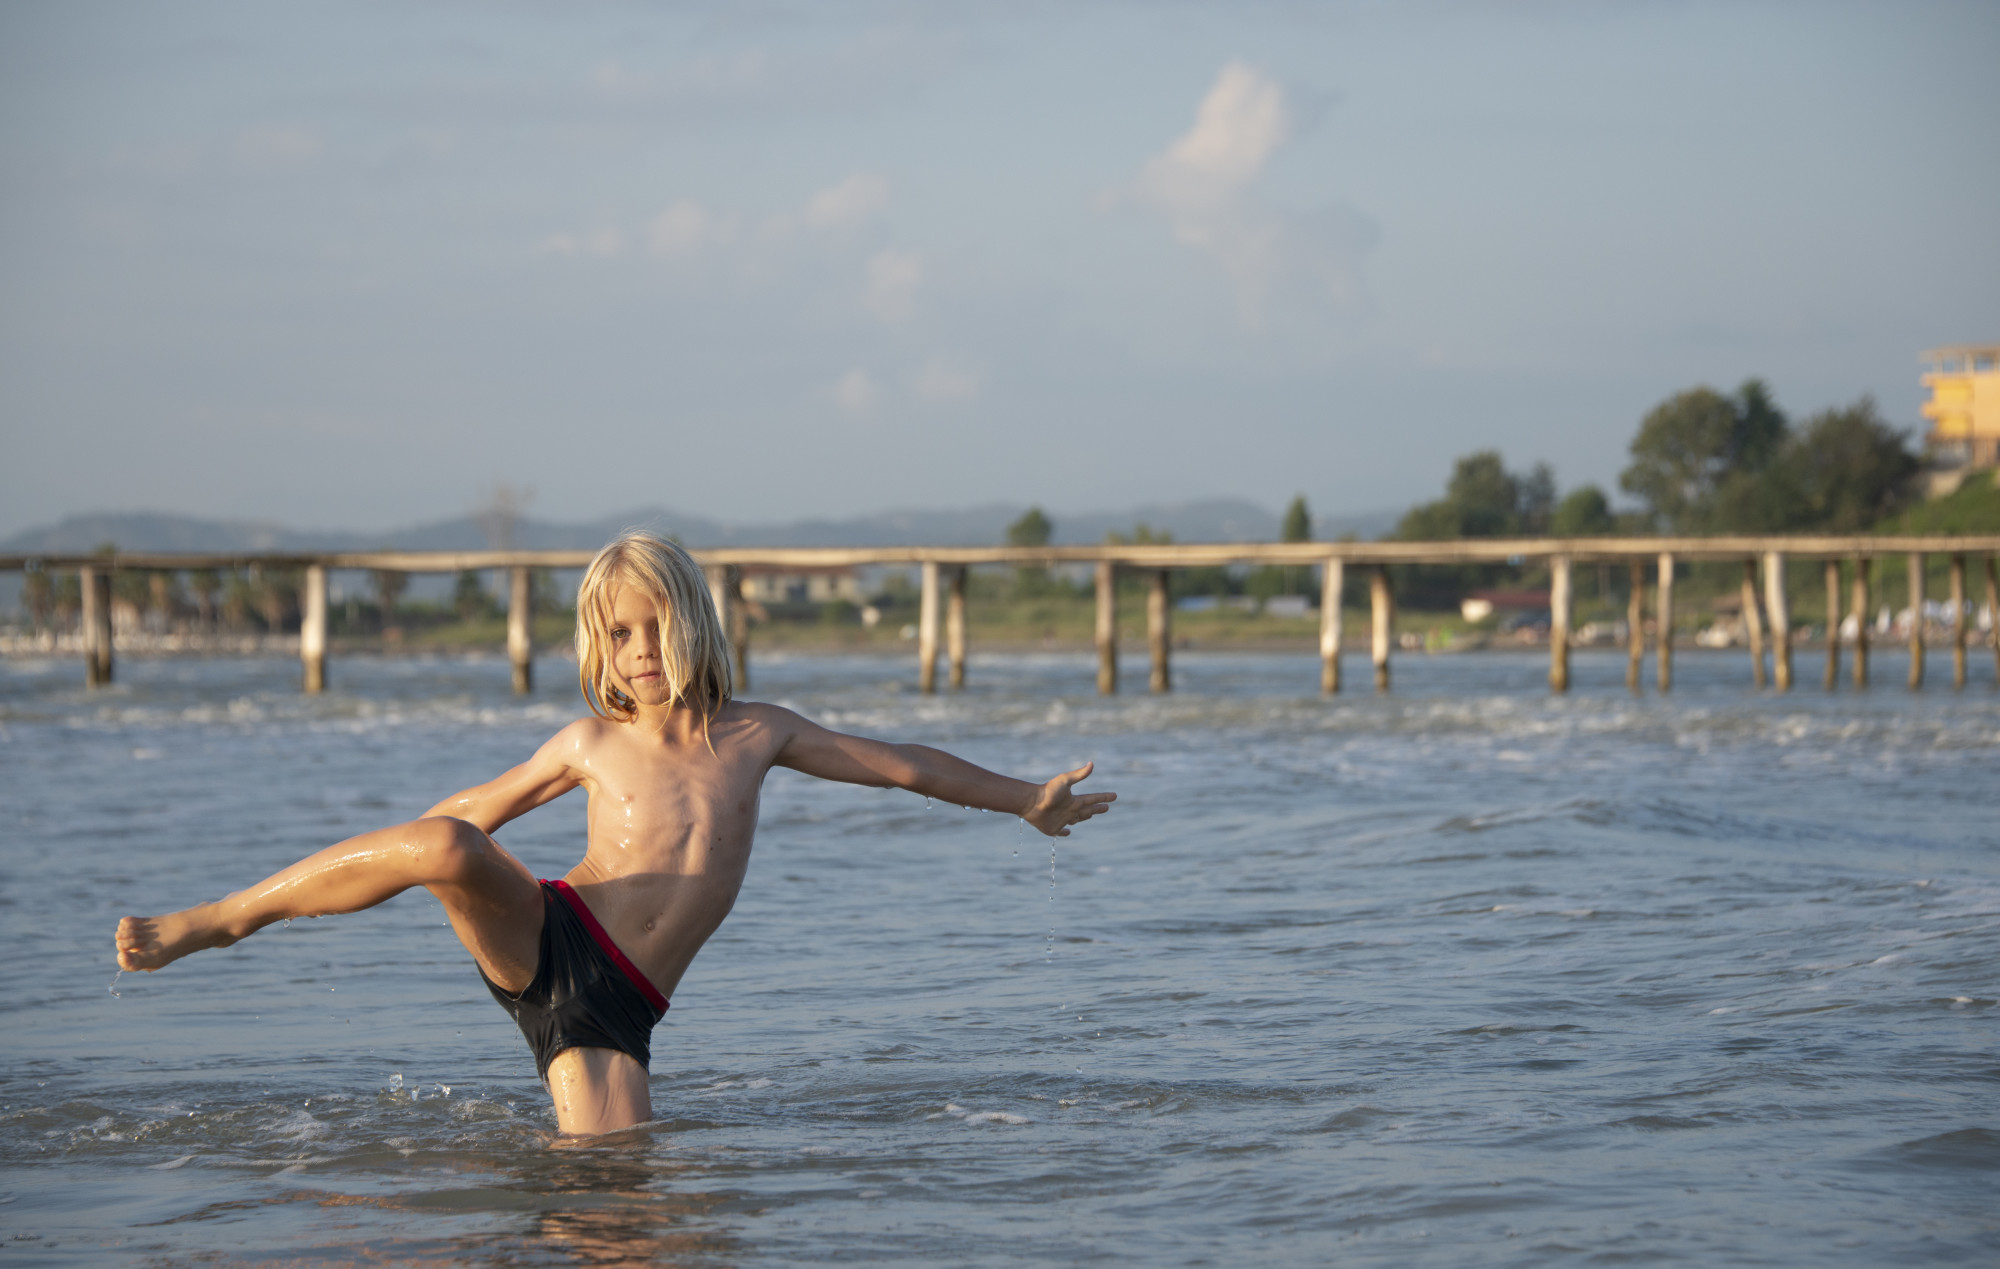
[491, 898]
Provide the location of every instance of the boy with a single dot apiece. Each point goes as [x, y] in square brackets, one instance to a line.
[673, 767]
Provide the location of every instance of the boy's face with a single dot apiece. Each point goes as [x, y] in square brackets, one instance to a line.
[636, 665]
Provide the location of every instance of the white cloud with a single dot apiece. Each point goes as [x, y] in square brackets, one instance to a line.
[687, 227]
[856, 393]
[601, 243]
[1204, 185]
[940, 380]
[1236, 127]
[855, 201]
[891, 289]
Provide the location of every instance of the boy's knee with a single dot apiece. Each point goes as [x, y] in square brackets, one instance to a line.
[451, 848]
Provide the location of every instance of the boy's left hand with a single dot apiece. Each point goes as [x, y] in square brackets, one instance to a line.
[1056, 807]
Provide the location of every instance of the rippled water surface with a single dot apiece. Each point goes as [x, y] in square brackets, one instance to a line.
[1460, 975]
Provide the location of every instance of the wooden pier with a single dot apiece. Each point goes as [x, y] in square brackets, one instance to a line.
[944, 570]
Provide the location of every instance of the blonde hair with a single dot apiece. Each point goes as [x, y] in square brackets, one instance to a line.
[694, 651]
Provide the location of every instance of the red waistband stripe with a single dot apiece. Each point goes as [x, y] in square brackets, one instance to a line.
[618, 958]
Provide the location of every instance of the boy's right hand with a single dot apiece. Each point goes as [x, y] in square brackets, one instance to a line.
[1056, 807]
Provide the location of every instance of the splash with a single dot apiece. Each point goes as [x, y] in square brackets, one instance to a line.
[112, 986]
[1050, 954]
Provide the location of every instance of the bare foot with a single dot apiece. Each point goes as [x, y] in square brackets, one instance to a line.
[149, 943]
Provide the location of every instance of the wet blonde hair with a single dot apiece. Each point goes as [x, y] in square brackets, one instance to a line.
[694, 651]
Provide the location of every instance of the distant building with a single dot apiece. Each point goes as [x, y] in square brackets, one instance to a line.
[764, 584]
[1512, 606]
[1964, 410]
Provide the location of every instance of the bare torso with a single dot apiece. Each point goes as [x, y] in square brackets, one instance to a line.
[670, 829]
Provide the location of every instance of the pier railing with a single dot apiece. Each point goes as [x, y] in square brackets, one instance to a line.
[941, 607]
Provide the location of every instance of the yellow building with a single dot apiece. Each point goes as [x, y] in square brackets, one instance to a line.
[1964, 406]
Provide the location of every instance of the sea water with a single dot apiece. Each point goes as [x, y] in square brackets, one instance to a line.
[1464, 974]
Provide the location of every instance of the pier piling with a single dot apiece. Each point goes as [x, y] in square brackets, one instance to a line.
[739, 628]
[1778, 611]
[1664, 614]
[1916, 566]
[1753, 623]
[312, 629]
[96, 586]
[1107, 627]
[1381, 618]
[1993, 608]
[1333, 576]
[1559, 614]
[1860, 593]
[954, 626]
[927, 629]
[1159, 631]
[521, 628]
[1635, 627]
[725, 590]
[1832, 624]
[1958, 622]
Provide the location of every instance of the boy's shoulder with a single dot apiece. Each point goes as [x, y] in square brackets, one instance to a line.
[581, 734]
[761, 714]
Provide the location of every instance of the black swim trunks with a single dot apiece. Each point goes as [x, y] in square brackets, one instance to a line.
[586, 994]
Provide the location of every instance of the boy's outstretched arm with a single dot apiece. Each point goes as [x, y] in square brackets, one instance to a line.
[543, 778]
[832, 755]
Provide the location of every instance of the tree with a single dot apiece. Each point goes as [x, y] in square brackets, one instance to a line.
[237, 597]
[1698, 454]
[165, 596]
[1485, 494]
[469, 596]
[1032, 529]
[1848, 469]
[1297, 525]
[132, 586]
[389, 587]
[1285, 579]
[205, 583]
[38, 596]
[1585, 513]
[1481, 500]
[1142, 534]
[68, 598]
[1535, 500]
[275, 593]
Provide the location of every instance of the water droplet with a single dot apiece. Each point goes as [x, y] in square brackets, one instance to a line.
[112, 986]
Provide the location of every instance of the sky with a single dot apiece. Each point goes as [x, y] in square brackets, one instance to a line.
[355, 265]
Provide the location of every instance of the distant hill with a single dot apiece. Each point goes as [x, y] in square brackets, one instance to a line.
[1214, 520]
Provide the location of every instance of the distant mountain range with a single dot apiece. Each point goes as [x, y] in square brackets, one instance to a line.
[1214, 520]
